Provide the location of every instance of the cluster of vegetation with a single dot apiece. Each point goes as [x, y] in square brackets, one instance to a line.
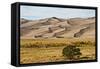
[41, 44]
[84, 43]
[46, 44]
[71, 52]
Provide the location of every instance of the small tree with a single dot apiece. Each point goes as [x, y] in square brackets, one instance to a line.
[71, 52]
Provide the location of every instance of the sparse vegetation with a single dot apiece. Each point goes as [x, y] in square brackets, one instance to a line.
[51, 50]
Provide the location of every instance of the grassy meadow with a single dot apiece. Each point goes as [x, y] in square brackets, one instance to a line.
[50, 50]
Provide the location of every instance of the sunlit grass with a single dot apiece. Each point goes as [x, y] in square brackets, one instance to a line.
[50, 50]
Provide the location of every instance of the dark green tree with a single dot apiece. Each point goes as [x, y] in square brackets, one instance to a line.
[71, 52]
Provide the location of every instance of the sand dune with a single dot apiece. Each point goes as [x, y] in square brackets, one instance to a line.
[58, 28]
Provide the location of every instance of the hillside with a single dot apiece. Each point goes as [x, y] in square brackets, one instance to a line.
[58, 28]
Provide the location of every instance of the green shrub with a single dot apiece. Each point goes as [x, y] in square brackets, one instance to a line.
[71, 52]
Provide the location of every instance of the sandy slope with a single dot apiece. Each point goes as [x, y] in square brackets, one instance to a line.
[58, 28]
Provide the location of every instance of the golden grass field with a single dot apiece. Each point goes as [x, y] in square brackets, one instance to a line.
[50, 50]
